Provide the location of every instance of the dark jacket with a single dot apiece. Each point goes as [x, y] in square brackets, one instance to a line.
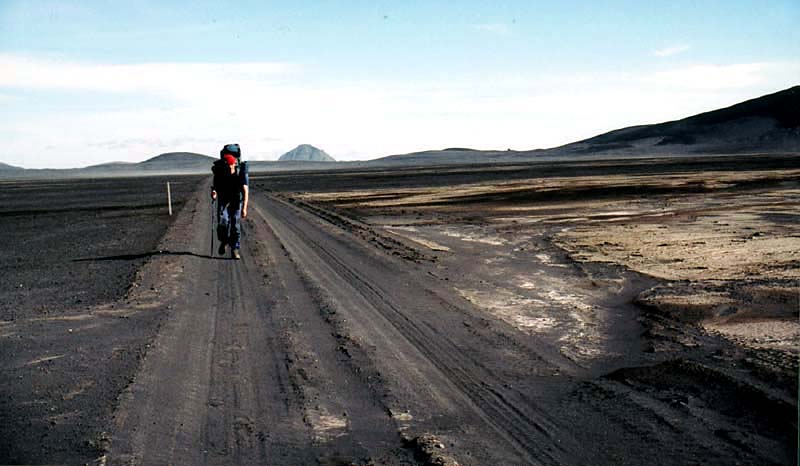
[229, 186]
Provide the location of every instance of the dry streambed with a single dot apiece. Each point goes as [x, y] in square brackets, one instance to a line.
[727, 244]
[730, 259]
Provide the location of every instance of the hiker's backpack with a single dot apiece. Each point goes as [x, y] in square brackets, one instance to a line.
[232, 149]
[219, 166]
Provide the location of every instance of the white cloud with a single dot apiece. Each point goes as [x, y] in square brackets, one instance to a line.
[670, 51]
[269, 108]
[162, 78]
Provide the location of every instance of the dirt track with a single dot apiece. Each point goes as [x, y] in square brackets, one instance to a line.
[320, 347]
[316, 348]
[335, 341]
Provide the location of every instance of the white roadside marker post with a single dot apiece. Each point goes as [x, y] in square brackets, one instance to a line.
[169, 199]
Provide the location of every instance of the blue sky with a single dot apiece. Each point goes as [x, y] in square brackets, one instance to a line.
[87, 82]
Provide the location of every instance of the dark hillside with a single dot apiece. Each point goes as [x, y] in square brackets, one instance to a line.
[766, 124]
[178, 159]
[7, 167]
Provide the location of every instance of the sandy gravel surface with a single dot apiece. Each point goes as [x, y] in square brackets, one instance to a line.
[318, 348]
[463, 315]
[731, 256]
[76, 308]
[67, 235]
[673, 289]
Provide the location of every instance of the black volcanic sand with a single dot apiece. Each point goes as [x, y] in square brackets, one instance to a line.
[448, 175]
[73, 248]
[617, 382]
[388, 333]
[79, 241]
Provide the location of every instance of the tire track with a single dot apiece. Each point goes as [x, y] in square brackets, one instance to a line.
[214, 387]
[460, 380]
[252, 416]
[346, 419]
[246, 371]
[158, 421]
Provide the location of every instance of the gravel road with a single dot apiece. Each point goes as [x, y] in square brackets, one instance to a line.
[327, 347]
[316, 348]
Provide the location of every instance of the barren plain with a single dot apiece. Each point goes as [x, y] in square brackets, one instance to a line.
[599, 312]
[70, 274]
[669, 289]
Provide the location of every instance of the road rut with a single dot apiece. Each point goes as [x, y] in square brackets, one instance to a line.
[318, 348]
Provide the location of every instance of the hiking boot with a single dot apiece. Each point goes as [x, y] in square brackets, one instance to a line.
[221, 249]
[235, 254]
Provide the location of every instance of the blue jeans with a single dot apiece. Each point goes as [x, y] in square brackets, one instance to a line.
[229, 226]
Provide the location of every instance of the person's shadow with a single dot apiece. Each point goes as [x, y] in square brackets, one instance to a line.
[128, 257]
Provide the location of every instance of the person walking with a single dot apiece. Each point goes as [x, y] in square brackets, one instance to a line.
[231, 191]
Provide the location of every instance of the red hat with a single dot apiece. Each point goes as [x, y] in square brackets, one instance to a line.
[230, 159]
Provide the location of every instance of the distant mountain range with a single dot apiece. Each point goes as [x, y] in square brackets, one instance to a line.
[768, 124]
[169, 163]
[177, 163]
[306, 153]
